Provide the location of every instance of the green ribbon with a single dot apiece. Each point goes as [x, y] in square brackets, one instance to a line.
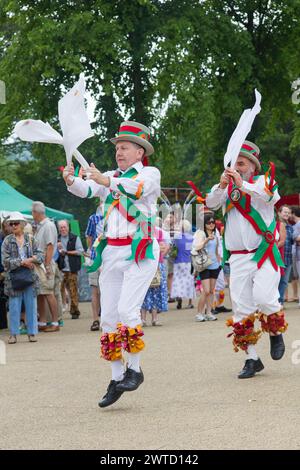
[98, 260]
[144, 224]
[264, 245]
[226, 253]
[139, 237]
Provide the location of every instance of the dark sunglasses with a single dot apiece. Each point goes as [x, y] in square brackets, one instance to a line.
[210, 222]
[14, 223]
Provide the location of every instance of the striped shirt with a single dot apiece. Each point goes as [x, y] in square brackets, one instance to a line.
[93, 230]
[288, 245]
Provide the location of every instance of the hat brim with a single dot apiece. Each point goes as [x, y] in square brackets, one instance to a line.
[16, 216]
[149, 150]
[252, 158]
[15, 220]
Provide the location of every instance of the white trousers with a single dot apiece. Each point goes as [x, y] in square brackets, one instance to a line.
[220, 284]
[123, 286]
[219, 288]
[252, 288]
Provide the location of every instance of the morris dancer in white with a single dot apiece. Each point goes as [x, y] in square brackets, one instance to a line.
[127, 250]
[250, 236]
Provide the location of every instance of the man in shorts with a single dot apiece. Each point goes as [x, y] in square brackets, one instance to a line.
[46, 239]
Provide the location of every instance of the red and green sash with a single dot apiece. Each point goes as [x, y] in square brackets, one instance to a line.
[268, 248]
[142, 242]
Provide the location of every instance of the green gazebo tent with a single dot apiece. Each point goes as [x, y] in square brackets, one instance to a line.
[13, 200]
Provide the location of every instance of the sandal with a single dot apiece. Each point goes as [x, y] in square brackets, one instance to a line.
[95, 326]
[32, 338]
[12, 339]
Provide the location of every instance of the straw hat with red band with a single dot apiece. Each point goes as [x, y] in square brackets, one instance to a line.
[252, 152]
[134, 132]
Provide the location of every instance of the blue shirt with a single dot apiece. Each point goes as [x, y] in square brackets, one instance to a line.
[211, 248]
[93, 230]
[55, 255]
[184, 242]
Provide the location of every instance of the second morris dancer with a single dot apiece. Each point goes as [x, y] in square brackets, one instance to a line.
[250, 236]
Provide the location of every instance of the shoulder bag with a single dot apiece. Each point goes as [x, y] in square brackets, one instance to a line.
[200, 260]
[21, 278]
[156, 281]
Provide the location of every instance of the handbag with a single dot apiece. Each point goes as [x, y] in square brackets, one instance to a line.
[200, 260]
[21, 278]
[156, 281]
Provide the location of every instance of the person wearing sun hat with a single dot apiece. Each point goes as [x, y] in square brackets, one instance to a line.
[19, 252]
[127, 250]
[248, 201]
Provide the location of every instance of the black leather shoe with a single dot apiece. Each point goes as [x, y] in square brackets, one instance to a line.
[223, 309]
[250, 368]
[258, 365]
[111, 396]
[75, 316]
[277, 347]
[132, 380]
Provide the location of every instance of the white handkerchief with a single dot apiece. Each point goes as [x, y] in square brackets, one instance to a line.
[32, 130]
[241, 131]
[73, 118]
[74, 124]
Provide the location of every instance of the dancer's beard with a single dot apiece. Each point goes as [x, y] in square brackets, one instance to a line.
[247, 175]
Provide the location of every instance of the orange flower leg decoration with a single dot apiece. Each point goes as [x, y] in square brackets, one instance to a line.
[131, 338]
[221, 297]
[243, 333]
[274, 323]
[111, 346]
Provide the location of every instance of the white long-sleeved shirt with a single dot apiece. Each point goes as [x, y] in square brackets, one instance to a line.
[117, 225]
[239, 233]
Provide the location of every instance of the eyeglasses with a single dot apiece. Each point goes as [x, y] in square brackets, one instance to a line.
[210, 222]
[14, 223]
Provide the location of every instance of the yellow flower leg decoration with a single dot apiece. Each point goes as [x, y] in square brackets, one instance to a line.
[131, 338]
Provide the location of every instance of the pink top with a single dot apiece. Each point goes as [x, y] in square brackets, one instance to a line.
[158, 233]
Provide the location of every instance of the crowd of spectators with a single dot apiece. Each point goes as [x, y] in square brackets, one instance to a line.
[47, 257]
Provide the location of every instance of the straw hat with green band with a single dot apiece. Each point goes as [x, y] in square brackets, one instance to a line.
[134, 132]
[252, 152]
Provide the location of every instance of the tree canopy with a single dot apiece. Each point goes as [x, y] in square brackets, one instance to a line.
[186, 68]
